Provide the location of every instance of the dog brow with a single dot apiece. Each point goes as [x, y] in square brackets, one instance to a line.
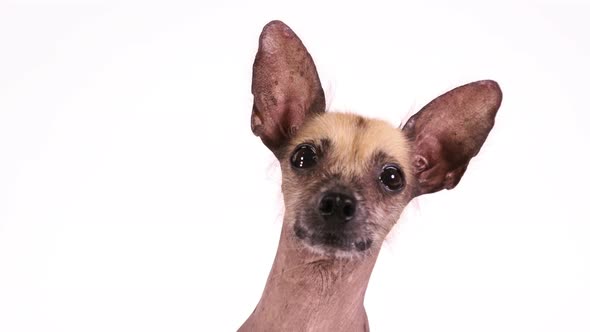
[325, 143]
[381, 158]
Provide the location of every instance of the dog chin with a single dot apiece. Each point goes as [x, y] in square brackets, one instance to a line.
[332, 244]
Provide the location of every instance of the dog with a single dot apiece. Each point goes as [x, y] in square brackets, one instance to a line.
[345, 181]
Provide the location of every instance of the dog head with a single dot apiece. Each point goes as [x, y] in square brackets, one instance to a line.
[347, 178]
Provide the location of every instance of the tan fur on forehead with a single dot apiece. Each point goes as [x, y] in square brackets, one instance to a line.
[355, 140]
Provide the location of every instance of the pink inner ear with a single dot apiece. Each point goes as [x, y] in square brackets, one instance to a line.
[420, 163]
[449, 131]
[285, 85]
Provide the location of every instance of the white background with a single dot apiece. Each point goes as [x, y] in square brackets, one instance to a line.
[134, 197]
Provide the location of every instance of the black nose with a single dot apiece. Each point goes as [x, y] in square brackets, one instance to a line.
[337, 207]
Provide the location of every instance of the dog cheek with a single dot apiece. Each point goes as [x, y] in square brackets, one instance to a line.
[384, 216]
[295, 200]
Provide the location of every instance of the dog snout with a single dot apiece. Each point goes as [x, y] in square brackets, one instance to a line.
[337, 208]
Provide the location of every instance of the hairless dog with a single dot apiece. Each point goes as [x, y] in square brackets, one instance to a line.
[345, 181]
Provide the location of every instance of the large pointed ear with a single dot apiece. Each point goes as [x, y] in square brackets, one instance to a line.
[448, 132]
[285, 85]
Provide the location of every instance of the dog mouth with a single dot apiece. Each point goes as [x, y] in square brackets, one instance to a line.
[331, 241]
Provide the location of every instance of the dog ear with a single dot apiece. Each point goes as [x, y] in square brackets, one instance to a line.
[448, 132]
[285, 85]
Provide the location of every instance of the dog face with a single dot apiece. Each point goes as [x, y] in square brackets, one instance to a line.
[344, 182]
[347, 178]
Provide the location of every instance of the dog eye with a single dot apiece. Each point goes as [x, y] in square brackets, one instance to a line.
[392, 178]
[304, 156]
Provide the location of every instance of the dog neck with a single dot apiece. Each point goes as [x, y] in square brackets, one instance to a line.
[306, 291]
